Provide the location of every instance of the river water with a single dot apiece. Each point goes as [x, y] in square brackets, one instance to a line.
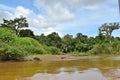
[105, 68]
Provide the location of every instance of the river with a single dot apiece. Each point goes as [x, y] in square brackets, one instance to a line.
[105, 68]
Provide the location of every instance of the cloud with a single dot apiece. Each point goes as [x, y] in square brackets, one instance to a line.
[36, 22]
[19, 10]
[65, 16]
[5, 12]
[4, 15]
[63, 10]
[86, 15]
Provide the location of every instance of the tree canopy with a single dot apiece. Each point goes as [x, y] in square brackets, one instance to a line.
[107, 29]
[16, 24]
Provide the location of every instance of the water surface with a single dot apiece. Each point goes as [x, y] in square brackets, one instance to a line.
[106, 68]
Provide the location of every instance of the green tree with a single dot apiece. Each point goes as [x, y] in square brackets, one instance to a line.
[81, 38]
[54, 39]
[26, 33]
[42, 39]
[68, 43]
[16, 24]
[100, 38]
[81, 42]
[107, 29]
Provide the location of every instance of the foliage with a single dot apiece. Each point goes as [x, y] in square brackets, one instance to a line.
[106, 48]
[15, 24]
[13, 47]
[8, 52]
[54, 39]
[107, 29]
[26, 33]
[42, 39]
[67, 44]
[7, 36]
[54, 50]
[101, 44]
[30, 45]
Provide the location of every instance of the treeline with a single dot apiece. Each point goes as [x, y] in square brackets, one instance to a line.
[81, 44]
[104, 42]
[16, 42]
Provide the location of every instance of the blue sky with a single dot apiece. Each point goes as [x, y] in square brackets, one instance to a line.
[63, 16]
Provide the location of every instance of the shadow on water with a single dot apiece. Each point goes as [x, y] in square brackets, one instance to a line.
[87, 69]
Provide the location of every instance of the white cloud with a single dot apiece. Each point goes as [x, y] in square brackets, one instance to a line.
[95, 7]
[63, 10]
[36, 21]
[65, 16]
[4, 15]
[60, 14]
[21, 11]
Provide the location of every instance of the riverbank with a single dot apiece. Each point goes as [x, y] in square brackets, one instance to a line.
[49, 57]
[58, 57]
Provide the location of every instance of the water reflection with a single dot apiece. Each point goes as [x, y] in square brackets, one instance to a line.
[89, 69]
[91, 74]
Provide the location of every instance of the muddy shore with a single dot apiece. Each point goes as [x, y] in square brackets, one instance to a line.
[59, 57]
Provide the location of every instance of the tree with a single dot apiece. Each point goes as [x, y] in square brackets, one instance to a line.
[100, 38]
[81, 42]
[54, 39]
[107, 29]
[81, 38]
[42, 39]
[68, 43]
[15, 24]
[26, 33]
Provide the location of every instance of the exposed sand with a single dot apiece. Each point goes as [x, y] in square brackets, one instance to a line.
[59, 57]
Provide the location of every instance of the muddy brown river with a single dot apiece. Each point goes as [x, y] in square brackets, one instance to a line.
[104, 68]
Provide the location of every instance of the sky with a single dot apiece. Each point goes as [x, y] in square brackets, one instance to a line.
[63, 16]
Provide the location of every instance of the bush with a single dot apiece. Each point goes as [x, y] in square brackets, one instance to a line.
[106, 48]
[116, 46]
[7, 36]
[13, 47]
[54, 50]
[10, 52]
[30, 45]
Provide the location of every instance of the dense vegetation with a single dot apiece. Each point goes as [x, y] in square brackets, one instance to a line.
[16, 43]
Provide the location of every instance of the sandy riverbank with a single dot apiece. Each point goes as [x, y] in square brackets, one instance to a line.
[58, 57]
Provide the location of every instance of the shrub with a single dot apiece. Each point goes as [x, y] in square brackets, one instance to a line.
[54, 50]
[106, 48]
[13, 47]
[7, 36]
[30, 45]
[10, 52]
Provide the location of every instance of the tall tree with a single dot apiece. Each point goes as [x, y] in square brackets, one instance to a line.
[107, 29]
[20, 23]
[16, 24]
